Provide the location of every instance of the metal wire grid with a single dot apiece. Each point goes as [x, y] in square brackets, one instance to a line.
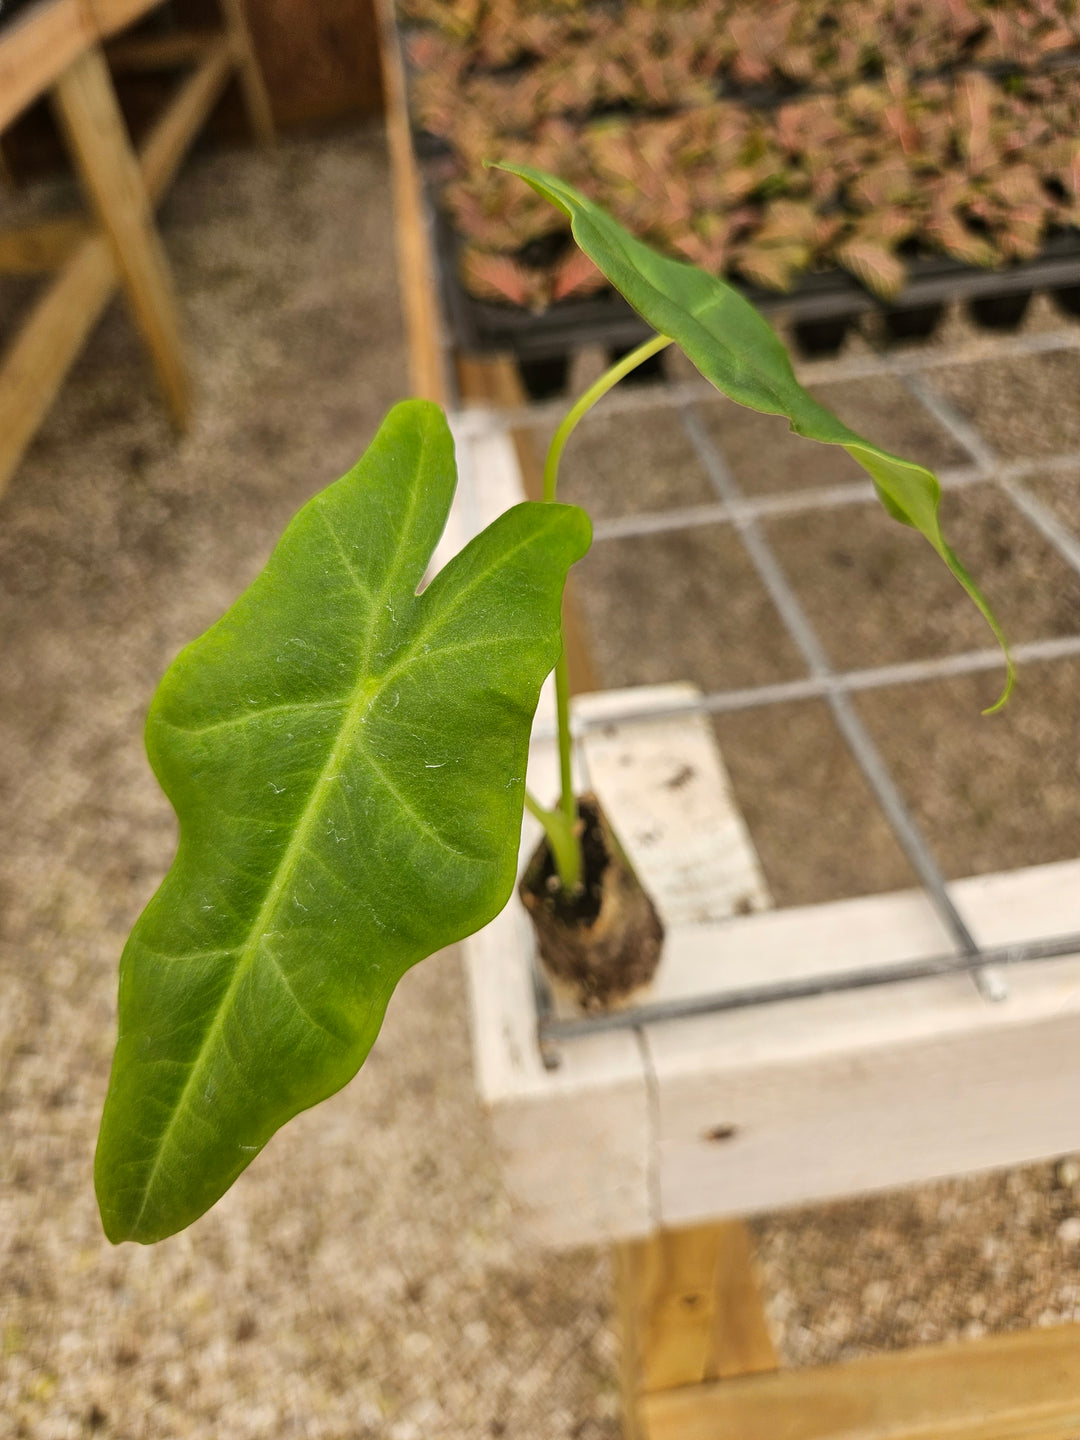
[746, 514]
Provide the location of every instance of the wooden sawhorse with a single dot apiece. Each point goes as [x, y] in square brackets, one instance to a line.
[55, 46]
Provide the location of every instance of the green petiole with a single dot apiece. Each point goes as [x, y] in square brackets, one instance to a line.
[559, 825]
[563, 842]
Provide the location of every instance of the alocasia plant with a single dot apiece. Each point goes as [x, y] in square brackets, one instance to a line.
[347, 761]
[346, 753]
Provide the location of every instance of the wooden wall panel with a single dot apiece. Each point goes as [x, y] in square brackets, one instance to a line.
[320, 58]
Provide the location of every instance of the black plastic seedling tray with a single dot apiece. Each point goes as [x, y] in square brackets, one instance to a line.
[821, 308]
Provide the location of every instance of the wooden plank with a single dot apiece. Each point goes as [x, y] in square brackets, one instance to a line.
[169, 140]
[881, 931]
[88, 109]
[416, 267]
[35, 49]
[571, 1179]
[319, 58]
[668, 797]
[110, 16]
[573, 1171]
[856, 1091]
[805, 1100]
[57, 328]
[42, 247]
[1022, 1386]
[46, 346]
[252, 88]
[693, 1307]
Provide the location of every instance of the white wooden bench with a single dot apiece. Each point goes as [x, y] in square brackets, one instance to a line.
[630, 1135]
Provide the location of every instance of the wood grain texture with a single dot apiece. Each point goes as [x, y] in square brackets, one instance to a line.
[862, 1090]
[1009, 1387]
[692, 1306]
[668, 798]
[87, 106]
[319, 58]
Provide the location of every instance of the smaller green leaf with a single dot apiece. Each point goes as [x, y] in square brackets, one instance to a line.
[734, 347]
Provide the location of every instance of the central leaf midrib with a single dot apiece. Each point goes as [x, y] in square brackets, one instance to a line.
[362, 696]
[360, 700]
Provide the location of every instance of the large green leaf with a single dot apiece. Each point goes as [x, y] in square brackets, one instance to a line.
[347, 761]
[735, 348]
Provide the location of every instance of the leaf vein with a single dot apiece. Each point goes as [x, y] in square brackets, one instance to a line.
[417, 819]
[362, 588]
[248, 716]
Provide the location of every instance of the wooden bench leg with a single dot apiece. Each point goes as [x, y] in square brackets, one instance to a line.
[88, 109]
[698, 1364]
[252, 86]
[690, 1312]
[44, 349]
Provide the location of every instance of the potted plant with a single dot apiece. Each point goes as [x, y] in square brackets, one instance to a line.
[345, 750]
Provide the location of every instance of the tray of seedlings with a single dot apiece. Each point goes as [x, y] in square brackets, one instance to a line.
[830, 157]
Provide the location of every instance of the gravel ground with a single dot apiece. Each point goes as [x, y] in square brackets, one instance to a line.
[365, 1277]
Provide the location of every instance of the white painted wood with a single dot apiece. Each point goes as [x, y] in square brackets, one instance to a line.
[864, 1090]
[816, 1098]
[578, 1172]
[575, 1142]
[667, 794]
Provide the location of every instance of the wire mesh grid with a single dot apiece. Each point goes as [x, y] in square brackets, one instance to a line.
[746, 515]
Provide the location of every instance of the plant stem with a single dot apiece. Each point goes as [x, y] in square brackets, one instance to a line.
[562, 717]
[563, 843]
[567, 812]
[596, 391]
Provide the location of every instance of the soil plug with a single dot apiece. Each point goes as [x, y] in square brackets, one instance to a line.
[600, 942]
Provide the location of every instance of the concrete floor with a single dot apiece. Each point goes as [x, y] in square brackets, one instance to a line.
[365, 1277]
